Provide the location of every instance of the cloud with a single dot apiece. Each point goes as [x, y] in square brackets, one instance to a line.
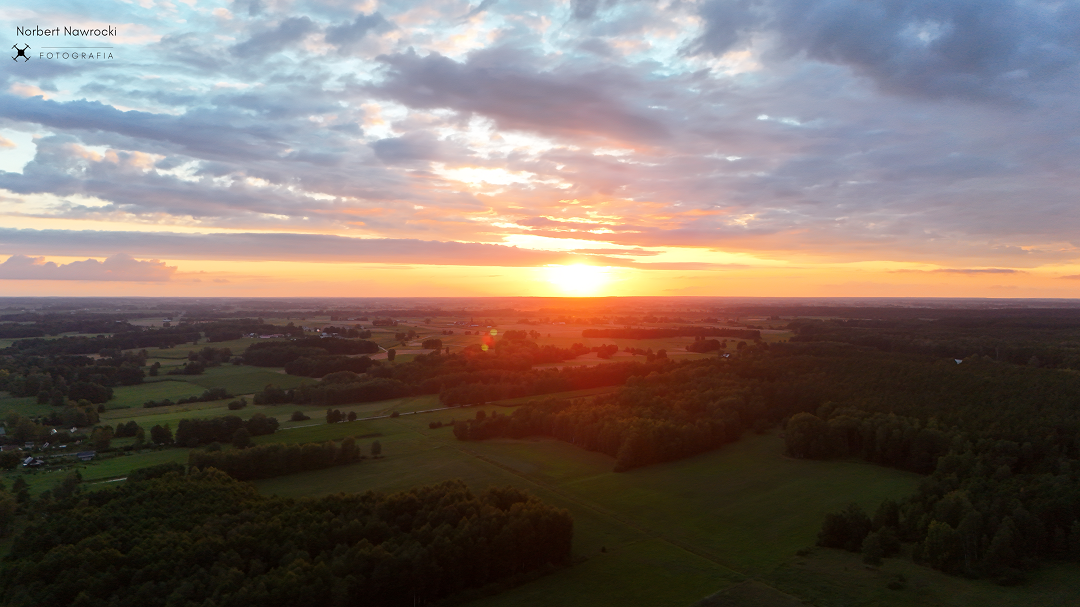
[728, 24]
[223, 135]
[479, 8]
[286, 247]
[348, 36]
[409, 148]
[504, 87]
[119, 267]
[287, 33]
[964, 271]
[985, 50]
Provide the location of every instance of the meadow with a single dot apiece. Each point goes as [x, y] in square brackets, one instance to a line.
[674, 533]
[663, 535]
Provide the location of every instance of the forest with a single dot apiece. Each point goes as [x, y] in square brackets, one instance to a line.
[226, 545]
[997, 441]
[276, 459]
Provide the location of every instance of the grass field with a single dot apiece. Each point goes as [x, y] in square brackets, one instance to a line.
[664, 535]
[670, 534]
[237, 379]
[23, 405]
[134, 396]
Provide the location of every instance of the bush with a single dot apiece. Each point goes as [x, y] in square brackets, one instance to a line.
[298, 416]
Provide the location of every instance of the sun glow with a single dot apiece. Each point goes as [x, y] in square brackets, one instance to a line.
[579, 279]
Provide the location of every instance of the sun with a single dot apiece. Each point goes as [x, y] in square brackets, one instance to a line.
[578, 280]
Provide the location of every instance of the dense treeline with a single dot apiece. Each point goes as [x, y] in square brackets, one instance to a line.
[354, 332]
[1000, 442]
[228, 546]
[689, 331]
[1034, 341]
[903, 312]
[165, 337]
[210, 394]
[319, 366]
[276, 459]
[345, 388]
[702, 345]
[686, 409]
[63, 380]
[279, 354]
[235, 328]
[34, 325]
[195, 432]
[471, 376]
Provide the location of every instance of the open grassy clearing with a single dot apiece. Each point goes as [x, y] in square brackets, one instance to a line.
[672, 533]
[147, 418]
[242, 379]
[135, 396]
[122, 465]
[237, 379]
[23, 405]
[570, 394]
[96, 470]
[835, 577]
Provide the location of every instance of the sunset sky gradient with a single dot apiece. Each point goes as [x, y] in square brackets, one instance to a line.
[721, 147]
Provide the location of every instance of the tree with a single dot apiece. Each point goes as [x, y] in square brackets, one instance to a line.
[887, 515]
[806, 436]
[8, 507]
[102, 437]
[349, 452]
[21, 489]
[352, 416]
[241, 439]
[943, 547]
[376, 449]
[846, 529]
[872, 549]
[161, 435]
[9, 460]
[391, 354]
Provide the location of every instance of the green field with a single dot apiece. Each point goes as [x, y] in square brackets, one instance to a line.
[242, 379]
[237, 379]
[669, 534]
[663, 535]
[125, 397]
[23, 405]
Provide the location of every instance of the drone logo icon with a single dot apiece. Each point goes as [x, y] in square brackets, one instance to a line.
[22, 53]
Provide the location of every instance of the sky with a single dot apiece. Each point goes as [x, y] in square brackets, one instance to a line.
[817, 148]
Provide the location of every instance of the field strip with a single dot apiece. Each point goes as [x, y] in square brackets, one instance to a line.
[604, 511]
[594, 507]
[370, 418]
